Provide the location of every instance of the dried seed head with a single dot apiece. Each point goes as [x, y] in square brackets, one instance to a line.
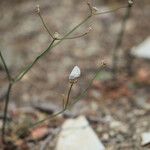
[38, 9]
[57, 35]
[75, 74]
[130, 2]
[94, 9]
[103, 63]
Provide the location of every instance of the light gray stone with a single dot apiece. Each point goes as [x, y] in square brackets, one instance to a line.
[142, 50]
[145, 138]
[77, 134]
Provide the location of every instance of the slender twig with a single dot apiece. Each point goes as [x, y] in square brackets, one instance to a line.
[20, 76]
[5, 66]
[71, 31]
[90, 8]
[45, 26]
[43, 22]
[111, 11]
[7, 97]
[120, 39]
[86, 19]
[56, 114]
[65, 106]
[91, 14]
[75, 37]
[68, 95]
[5, 112]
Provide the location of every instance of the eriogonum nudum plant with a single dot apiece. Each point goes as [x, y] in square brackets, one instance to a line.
[56, 40]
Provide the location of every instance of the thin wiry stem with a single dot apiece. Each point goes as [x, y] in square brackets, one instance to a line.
[90, 8]
[5, 112]
[20, 76]
[43, 120]
[58, 113]
[119, 40]
[75, 37]
[68, 96]
[110, 11]
[71, 31]
[85, 91]
[44, 24]
[7, 97]
[5, 66]
[61, 111]
[86, 19]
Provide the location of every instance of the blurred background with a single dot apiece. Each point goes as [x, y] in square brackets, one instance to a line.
[23, 37]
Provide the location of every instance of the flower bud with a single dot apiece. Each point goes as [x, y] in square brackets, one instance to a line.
[57, 35]
[38, 9]
[130, 2]
[75, 74]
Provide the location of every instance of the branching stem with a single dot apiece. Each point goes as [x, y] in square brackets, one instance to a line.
[44, 24]
[5, 66]
[68, 96]
[5, 112]
[111, 11]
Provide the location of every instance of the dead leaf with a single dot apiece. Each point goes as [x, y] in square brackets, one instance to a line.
[39, 133]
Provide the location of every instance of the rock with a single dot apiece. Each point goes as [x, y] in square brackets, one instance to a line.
[95, 93]
[77, 133]
[115, 124]
[145, 138]
[142, 50]
[143, 102]
[119, 126]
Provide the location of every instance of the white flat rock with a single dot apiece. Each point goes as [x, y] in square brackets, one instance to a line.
[145, 138]
[142, 50]
[77, 134]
